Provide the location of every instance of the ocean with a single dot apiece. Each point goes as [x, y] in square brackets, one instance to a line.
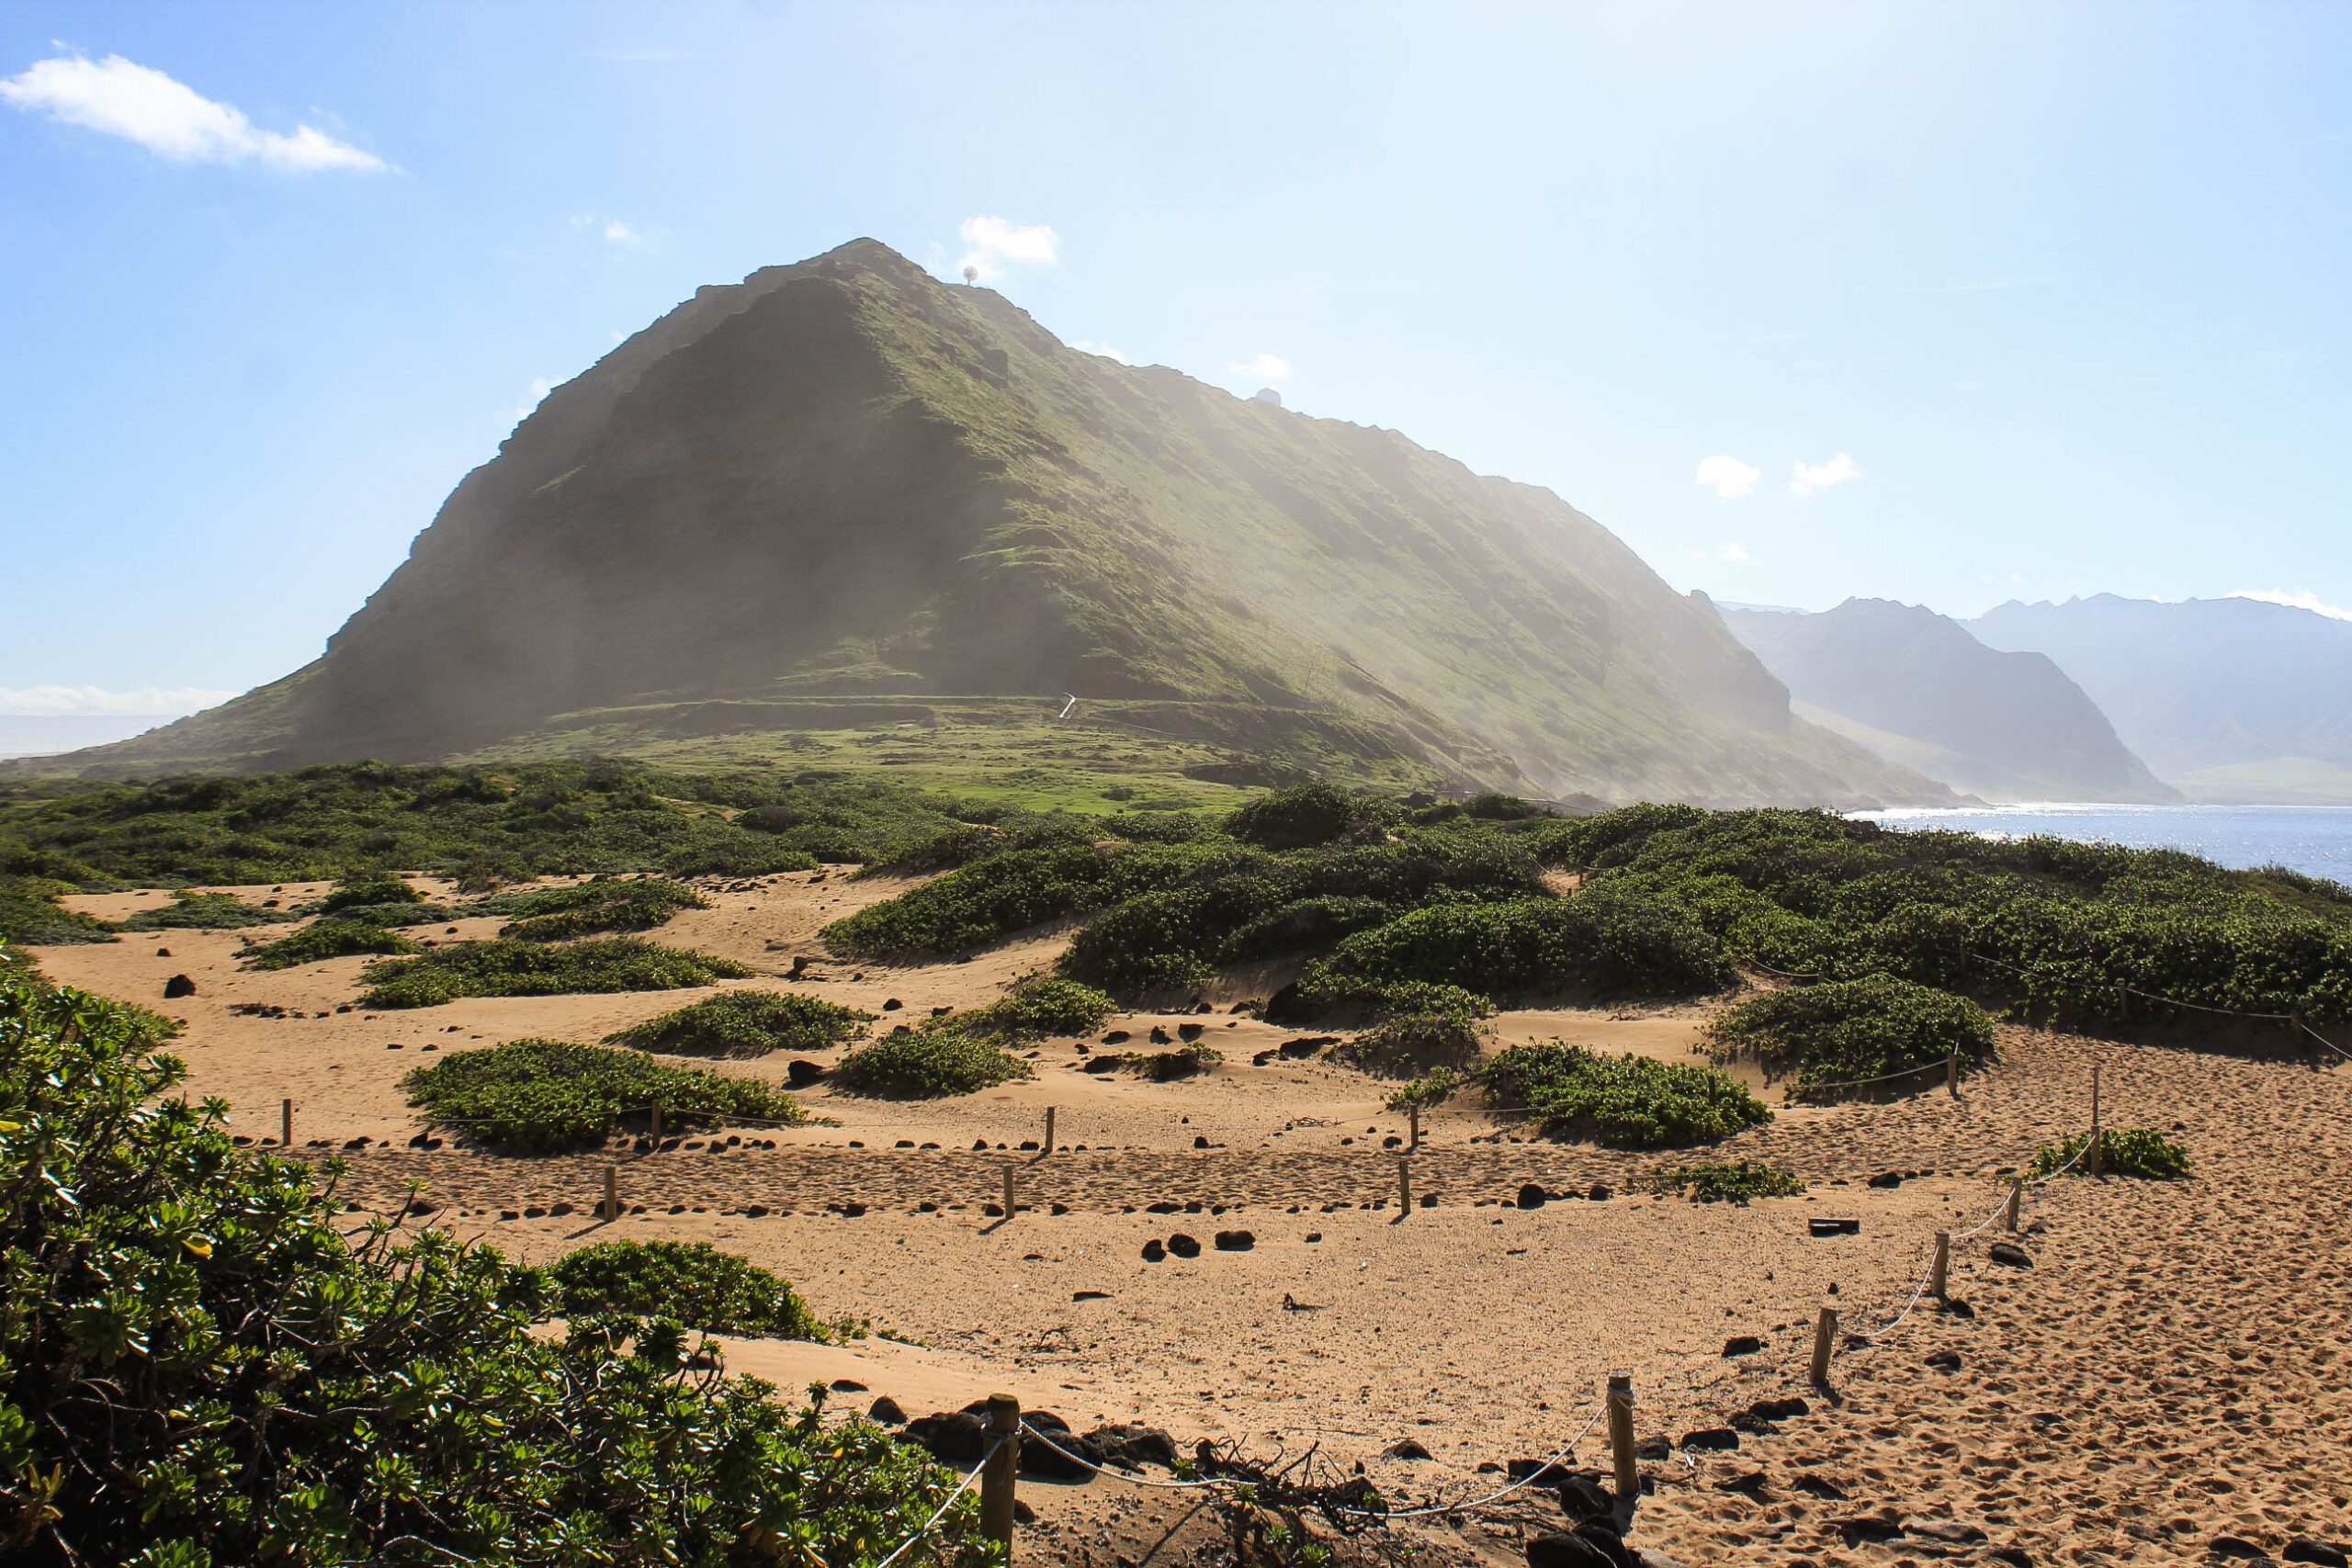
[2315, 841]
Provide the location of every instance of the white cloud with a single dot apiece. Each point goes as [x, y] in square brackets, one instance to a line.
[1812, 476]
[1734, 552]
[540, 387]
[1265, 368]
[2301, 599]
[148, 702]
[140, 104]
[1105, 349]
[997, 242]
[621, 233]
[1730, 478]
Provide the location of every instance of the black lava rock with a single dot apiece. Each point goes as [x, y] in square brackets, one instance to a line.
[1532, 1196]
[885, 1412]
[1235, 1241]
[1183, 1246]
[178, 985]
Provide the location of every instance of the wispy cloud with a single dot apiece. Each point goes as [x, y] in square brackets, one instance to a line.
[621, 233]
[1265, 368]
[1730, 478]
[996, 244]
[1812, 476]
[2301, 599]
[1733, 552]
[617, 230]
[540, 387]
[1105, 349]
[147, 702]
[119, 97]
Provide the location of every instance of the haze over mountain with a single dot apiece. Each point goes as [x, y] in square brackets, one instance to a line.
[842, 493]
[1916, 688]
[2234, 700]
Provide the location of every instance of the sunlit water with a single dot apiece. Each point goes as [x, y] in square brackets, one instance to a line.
[2314, 840]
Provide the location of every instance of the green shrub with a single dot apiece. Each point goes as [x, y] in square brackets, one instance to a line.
[605, 904]
[1183, 1061]
[202, 1361]
[692, 1281]
[929, 1063]
[976, 904]
[1736, 1182]
[1848, 1030]
[747, 1023]
[1413, 1040]
[511, 969]
[535, 1096]
[205, 912]
[1432, 1087]
[1623, 1102]
[1307, 814]
[323, 939]
[2122, 1151]
[1597, 945]
[1038, 1006]
[372, 892]
[30, 915]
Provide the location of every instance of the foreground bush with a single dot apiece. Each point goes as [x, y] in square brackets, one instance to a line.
[1623, 1102]
[1720, 1183]
[198, 1367]
[205, 912]
[511, 969]
[1847, 1030]
[535, 1096]
[604, 904]
[324, 939]
[929, 1063]
[747, 1023]
[1599, 946]
[2122, 1151]
[692, 1281]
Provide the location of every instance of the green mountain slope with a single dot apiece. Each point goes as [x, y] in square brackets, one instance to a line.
[842, 495]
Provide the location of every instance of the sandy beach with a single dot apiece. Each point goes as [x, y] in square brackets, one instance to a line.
[2168, 1371]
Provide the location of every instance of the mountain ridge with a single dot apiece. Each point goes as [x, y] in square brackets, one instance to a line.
[842, 485]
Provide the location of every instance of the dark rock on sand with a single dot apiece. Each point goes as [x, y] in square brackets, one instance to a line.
[1183, 1246]
[1236, 1241]
[885, 1412]
[178, 985]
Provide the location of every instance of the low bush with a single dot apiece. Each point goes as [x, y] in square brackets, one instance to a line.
[323, 939]
[30, 915]
[929, 1063]
[1432, 1087]
[1597, 945]
[204, 912]
[1038, 1006]
[1183, 1061]
[978, 904]
[1736, 1182]
[2122, 1151]
[1414, 1040]
[511, 969]
[203, 1361]
[604, 904]
[1308, 814]
[1623, 1101]
[1848, 1030]
[536, 1095]
[370, 893]
[747, 1023]
[692, 1281]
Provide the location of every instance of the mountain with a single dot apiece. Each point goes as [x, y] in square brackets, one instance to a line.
[1916, 688]
[842, 493]
[2235, 700]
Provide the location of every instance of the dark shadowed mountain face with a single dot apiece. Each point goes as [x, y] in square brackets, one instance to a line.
[842, 485]
[2233, 699]
[1914, 686]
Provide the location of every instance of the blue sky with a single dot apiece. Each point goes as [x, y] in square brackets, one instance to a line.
[1949, 304]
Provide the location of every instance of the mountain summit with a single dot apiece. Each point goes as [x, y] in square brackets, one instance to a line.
[843, 492]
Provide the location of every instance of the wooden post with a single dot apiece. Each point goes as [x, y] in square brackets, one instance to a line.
[1049, 1132]
[1003, 1466]
[1824, 1340]
[1415, 1113]
[285, 1123]
[1008, 1189]
[2095, 1149]
[1951, 1076]
[2016, 1201]
[1620, 1397]
[1939, 1271]
[612, 1193]
[1405, 1185]
[657, 1123]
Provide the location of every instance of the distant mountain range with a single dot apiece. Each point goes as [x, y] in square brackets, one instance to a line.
[842, 495]
[1917, 689]
[2234, 700]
